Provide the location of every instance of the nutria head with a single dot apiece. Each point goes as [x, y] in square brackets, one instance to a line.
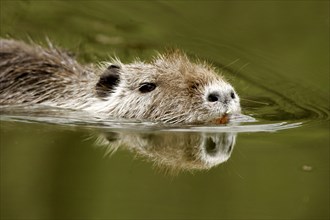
[170, 89]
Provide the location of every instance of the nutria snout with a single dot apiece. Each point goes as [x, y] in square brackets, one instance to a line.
[169, 89]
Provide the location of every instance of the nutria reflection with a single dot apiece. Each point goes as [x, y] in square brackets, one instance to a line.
[173, 152]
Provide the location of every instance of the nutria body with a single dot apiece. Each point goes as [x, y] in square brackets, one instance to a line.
[169, 89]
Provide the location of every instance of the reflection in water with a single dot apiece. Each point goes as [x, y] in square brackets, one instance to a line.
[170, 148]
[173, 149]
[173, 152]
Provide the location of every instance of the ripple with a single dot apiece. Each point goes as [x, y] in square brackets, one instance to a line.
[50, 115]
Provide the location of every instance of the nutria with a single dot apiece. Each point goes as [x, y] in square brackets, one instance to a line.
[169, 89]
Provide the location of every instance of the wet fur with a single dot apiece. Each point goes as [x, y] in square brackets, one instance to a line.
[48, 76]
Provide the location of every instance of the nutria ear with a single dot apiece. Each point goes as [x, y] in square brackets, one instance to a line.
[108, 81]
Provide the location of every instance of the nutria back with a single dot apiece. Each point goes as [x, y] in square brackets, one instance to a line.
[169, 89]
[31, 74]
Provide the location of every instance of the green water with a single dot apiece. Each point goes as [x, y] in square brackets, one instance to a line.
[275, 53]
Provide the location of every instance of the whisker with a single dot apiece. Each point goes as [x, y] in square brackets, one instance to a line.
[263, 103]
[233, 62]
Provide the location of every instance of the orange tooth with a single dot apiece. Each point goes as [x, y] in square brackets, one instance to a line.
[221, 120]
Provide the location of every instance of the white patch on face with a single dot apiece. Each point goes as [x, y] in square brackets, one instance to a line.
[221, 98]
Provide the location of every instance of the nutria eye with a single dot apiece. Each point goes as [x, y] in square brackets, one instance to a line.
[147, 87]
[232, 95]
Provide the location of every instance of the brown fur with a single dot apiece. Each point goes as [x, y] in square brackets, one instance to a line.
[34, 74]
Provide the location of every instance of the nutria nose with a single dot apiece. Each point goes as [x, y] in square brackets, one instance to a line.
[216, 97]
[213, 97]
[232, 95]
